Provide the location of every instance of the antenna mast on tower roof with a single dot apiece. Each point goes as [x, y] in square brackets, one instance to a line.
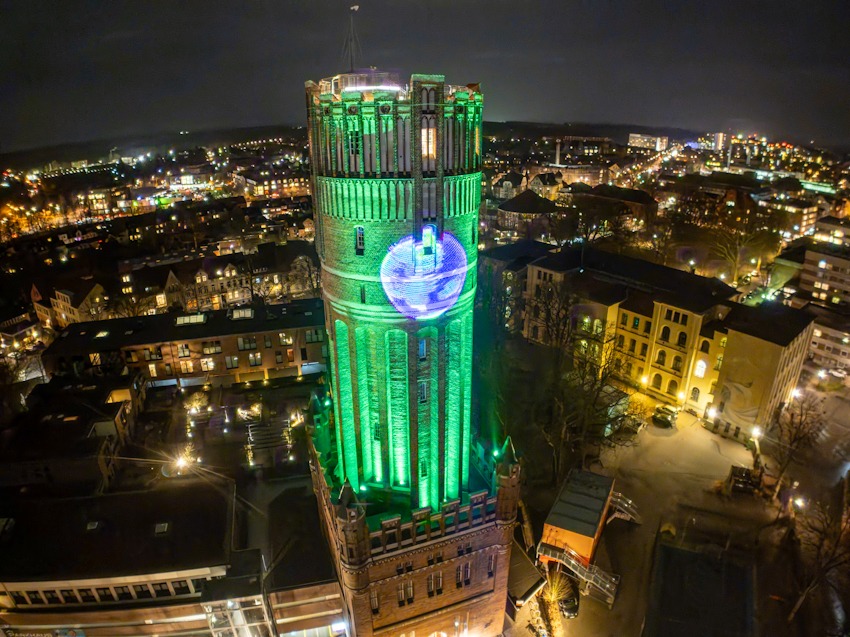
[351, 47]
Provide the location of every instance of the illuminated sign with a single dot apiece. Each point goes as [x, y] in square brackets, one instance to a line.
[423, 279]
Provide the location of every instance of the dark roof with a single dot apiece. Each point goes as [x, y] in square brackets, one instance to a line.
[828, 317]
[50, 540]
[668, 285]
[300, 553]
[830, 249]
[514, 178]
[795, 252]
[834, 221]
[524, 578]
[581, 503]
[78, 288]
[623, 194]
[548, 179]
[522, 248]
[530, 203]
[60, 419]
[769, 321]
[82, 338]
[639, 302]
[593, 288]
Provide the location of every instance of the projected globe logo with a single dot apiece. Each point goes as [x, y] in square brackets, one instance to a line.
[423, 279]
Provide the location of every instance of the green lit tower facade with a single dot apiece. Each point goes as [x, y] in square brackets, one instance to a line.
[396, 192]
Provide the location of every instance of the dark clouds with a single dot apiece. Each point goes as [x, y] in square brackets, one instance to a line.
[76, 70]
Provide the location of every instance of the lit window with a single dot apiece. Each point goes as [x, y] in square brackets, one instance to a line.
[102, 334]
[189, 319]
[152, 370]
[699, 369]
[243, 313]
[94, 358]
[429, 143]
[423, 349]
[207, 364]
[255, 359]
[186, 367]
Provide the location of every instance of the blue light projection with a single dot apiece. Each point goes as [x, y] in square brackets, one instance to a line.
[423, 279]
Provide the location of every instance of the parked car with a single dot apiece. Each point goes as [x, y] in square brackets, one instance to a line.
[838, 373]
[665, 416]
[569, 607]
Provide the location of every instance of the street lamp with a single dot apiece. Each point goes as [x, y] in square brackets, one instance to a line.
[756, 436]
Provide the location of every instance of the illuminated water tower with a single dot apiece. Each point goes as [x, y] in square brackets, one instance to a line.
[397, 187]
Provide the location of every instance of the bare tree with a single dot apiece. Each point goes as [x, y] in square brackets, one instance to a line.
[128, 306]
[305, 277]
[797, 428]
[661, 240]
[824, 535]
[581, 401]
[731, 246]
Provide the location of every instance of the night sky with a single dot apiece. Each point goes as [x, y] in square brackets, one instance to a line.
[73, 70]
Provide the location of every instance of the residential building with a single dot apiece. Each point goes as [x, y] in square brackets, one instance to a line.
[216, 347]
[825, 276]
[72, 434]
[509, 185]
[272, 272]
[430, 552]
[546, 185]
[765, 347]
[652, 142]
[590, 174]
[800, 214]
[834, 230]
[681, 338]
[268, 182]
[830, 346]
[71, 301]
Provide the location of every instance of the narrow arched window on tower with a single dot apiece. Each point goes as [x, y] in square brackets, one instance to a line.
[359, 240]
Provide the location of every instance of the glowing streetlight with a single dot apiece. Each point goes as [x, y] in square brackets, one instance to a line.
[712, 412]
[757, 432]
[795, 393]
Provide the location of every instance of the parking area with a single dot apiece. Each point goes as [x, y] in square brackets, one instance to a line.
[672, 474]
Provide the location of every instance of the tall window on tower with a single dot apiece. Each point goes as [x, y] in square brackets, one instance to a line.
[359, 241]
[429, 141]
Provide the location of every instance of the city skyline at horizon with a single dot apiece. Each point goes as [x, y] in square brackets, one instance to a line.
[124, 72]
